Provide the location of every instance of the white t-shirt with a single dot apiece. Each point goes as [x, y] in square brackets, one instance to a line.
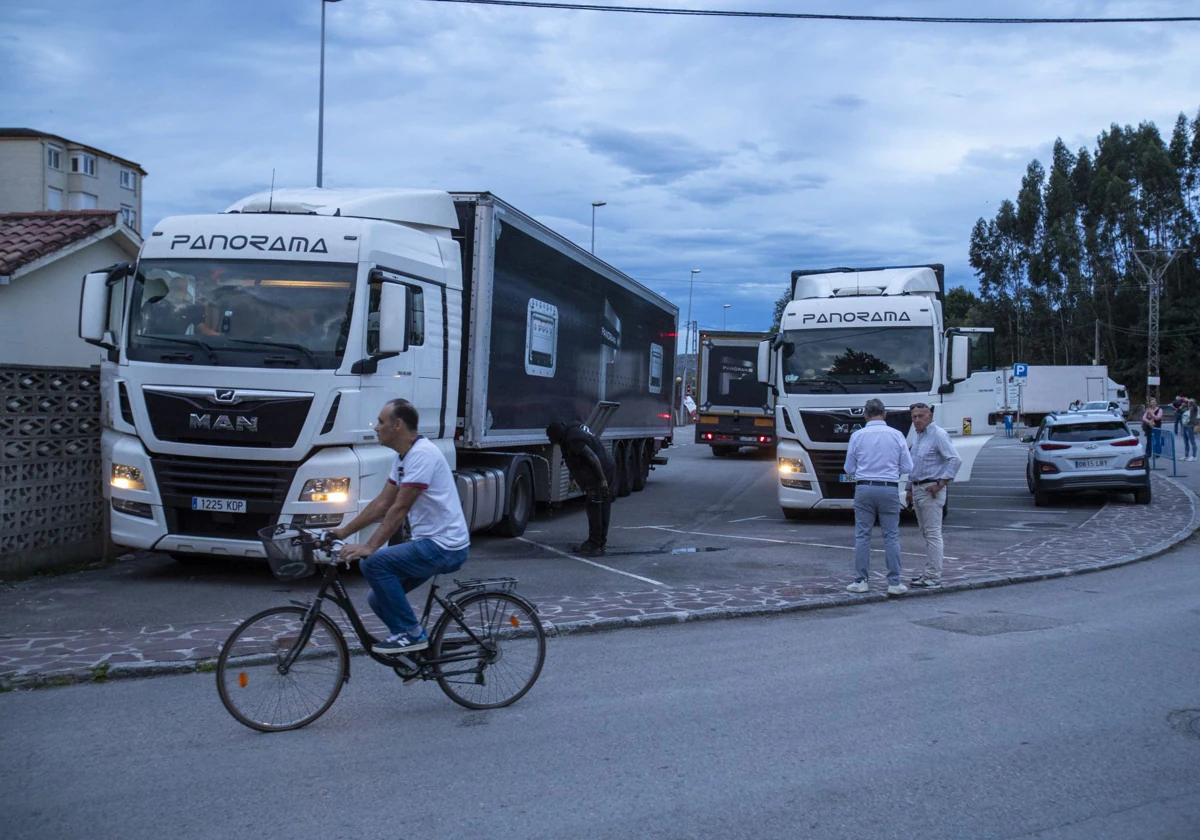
[437, 513]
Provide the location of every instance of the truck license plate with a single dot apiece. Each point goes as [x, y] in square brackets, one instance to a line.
[749, 438]
[1091, 464]
[846, 479]
[219, 505]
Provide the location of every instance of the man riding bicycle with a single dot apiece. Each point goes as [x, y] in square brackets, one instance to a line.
[422, 489]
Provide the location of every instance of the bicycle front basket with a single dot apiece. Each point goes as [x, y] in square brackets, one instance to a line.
[289, 551]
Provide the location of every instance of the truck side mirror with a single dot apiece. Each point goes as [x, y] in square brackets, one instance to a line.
[766, 371]
[960, 358]
[94, 304]
[394, 306]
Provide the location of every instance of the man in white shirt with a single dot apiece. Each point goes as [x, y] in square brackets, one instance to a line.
[935, 464]
[422, 489]
[877, 457]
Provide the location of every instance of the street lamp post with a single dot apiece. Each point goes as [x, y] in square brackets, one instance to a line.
[321, 101]
[595, 204]
[725, 315]
[687, 325]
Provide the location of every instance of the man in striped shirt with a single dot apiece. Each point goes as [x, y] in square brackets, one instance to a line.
[935, 464]
[877, 457]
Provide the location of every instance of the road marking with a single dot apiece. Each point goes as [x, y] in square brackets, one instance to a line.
[991, 528]
[592, 563]
[641, 527]
[1011, 510]
[790, 542]
[747, 519]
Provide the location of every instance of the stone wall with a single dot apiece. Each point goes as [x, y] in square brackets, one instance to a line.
[51, 502]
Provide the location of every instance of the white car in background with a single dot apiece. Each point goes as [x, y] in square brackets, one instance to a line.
[1082, 451]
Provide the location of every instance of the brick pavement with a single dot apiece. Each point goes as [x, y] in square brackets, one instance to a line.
[1116, 535]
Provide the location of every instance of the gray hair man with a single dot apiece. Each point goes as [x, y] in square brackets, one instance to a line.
[876, 458]
[935, 464]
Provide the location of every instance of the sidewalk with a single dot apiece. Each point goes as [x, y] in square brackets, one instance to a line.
[1116, 535]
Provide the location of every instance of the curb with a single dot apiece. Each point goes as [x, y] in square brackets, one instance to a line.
[136, 670]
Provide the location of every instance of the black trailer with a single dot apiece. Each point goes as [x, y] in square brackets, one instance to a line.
[553, 333]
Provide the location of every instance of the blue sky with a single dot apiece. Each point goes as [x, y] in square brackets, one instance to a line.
[744, 148]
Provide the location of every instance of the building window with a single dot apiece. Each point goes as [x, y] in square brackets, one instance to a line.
[128, 179]
[54, 157]
[53, 198]
[129, 216]
[84, 164]
[82, 201]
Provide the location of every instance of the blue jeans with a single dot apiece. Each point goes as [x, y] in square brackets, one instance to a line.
[871, 501]
[1189, 441]
[395, 570]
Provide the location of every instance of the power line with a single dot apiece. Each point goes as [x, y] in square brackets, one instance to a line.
[652, 10]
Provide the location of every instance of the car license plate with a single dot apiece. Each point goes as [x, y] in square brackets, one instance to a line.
[846, 479]
[219, 505]
[1091, 464]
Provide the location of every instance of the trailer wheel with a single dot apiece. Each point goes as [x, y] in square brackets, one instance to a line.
[520, 505]
[641, 465]
[623, 455]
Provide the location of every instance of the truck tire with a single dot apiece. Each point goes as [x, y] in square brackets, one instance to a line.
[520, 504]
[793, 514]
[641, 465]
[721, 451]
[624, 457]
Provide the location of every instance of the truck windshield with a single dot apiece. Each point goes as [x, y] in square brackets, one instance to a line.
[241, 313]
[858, 360]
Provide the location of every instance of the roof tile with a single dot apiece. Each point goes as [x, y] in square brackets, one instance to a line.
[26, 237]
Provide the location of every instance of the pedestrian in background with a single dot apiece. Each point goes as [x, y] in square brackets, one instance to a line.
[1151, 419]
[935, 463]
[876, 458]
[1179, 404]
[594, 470]
[1191, 415]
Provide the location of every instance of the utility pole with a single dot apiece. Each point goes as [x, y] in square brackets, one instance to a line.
[1154, 275]
[1096, 357]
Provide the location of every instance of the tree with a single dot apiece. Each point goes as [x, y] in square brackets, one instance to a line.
[780, 305]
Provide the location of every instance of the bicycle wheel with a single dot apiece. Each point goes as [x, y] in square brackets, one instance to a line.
[257, 685]
[507, 663]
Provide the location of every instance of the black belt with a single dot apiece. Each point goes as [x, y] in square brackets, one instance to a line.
[926, 481]
[881, 483]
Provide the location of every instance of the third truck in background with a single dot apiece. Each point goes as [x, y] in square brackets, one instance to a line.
[734, 409]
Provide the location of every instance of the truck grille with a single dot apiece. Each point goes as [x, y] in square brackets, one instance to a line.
[836, 426]
[263, 485]
[828, 466]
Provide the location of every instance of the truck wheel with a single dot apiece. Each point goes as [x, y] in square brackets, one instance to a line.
[1142, 496]
[624, 459]
[520, 505]
[641, 460]
[793, 514]
[720, 451]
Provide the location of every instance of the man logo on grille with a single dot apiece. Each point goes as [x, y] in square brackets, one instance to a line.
[226, 395]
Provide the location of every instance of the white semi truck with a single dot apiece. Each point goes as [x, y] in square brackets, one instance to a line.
[849, 335]
[249, 352]
[1048, 388]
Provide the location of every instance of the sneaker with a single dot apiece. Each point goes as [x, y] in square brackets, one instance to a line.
[587, 548]
[401, 643]
[858, 586]
[897, 589]
[925, 583]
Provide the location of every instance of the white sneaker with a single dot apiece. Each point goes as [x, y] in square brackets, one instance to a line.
[898, 589]
[858, 586]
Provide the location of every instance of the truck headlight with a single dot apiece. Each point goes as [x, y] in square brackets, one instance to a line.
[791, 466]
[126, 478]
[326, 490]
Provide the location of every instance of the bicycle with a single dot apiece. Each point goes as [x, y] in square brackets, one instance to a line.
[282, 668]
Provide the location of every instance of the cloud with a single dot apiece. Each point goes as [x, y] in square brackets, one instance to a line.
[656, 157]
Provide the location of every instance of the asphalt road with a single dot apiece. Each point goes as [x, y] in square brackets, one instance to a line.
[724, 508]
[1055, 710]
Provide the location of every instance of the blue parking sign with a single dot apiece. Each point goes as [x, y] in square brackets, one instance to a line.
[1020, 370]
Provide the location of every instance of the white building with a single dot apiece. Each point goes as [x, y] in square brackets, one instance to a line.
[43, 257]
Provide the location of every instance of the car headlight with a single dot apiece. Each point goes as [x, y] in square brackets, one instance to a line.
[791, 466]
[126, 478]
[326, 490]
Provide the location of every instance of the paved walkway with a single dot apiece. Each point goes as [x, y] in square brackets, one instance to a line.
[1125, 534]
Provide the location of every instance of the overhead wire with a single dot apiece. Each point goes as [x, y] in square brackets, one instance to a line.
[656, 10]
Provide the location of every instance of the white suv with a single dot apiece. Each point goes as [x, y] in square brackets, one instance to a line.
[1077, 452]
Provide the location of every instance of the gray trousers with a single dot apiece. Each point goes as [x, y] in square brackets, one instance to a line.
[871, 501]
